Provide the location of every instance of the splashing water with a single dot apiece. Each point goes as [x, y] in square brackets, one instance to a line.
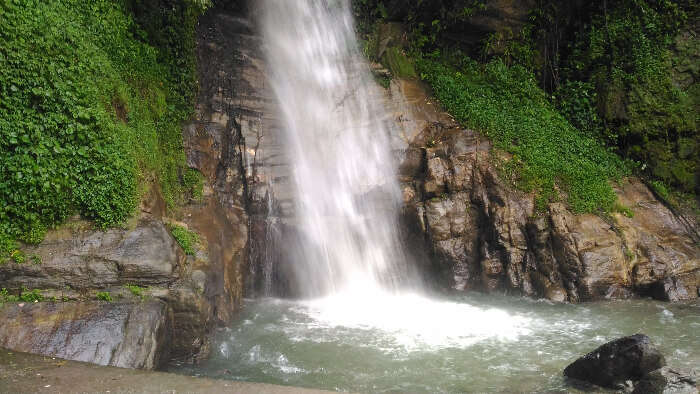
[349, 259]
[358, 326]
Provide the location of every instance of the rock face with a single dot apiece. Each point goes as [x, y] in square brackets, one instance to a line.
[182, 298]
[483, 234]
[77, 263]
[237, 143]
[133, 335]
[627, 358]
[667, 381]
[83, 260]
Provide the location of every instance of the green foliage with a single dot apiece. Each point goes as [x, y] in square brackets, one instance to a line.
[18, 256]
[137, 291]
[661, 190]
[506, 104]
[5, 296]
[577, 102]
[383, 81]
[511, 47]
[626, 53]
[7, 246]
[35, 234]
[193, 182]
[626, 211]
[104, 296]
[399, 64]
[31, 296]
[86, 107]
[187, 239]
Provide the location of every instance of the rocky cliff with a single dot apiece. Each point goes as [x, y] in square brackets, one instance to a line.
[485, 235]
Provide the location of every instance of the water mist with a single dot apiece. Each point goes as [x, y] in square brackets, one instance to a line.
[349, 261]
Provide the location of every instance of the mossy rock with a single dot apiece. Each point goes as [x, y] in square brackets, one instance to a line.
[398, 63]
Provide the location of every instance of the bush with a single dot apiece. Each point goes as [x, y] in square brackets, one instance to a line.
[104, 296]
[628, 54]
[187, 239]
[31, 296]
[507, 106]
[137, 291]
[86, 108]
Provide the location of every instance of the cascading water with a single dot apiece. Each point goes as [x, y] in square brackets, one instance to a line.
[349, 261]
[344, 173]
[359, 327]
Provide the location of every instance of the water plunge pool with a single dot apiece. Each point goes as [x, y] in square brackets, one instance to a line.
[409, 343]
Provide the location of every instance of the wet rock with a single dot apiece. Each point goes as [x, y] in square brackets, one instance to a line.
[145, 255]
[464, 200]
[193, 321]
[130, 335]
[668, 381]
[610, 365]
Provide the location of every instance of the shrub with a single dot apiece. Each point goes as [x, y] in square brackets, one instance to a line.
[5, 296]
[507, 106]
[86, 108]
[104, 296]
[193, 182]
[187, 239]
[31, 296]
[137, 291]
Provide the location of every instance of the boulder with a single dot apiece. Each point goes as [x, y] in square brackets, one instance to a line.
[87, 259]
[128, 335]
[612, 364]
[667, 381]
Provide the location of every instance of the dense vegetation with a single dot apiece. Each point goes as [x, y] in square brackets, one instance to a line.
[92, 97]
[507, 105]
[569, 79]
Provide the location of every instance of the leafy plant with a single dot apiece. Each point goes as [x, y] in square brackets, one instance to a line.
[89, 103]
[193, 181]
[187, 239]
[137, 291]
[626, 55]
[506, 104]
[626, 211]
[5, 296]
[31, 296]
[18, 256]
[104, 296]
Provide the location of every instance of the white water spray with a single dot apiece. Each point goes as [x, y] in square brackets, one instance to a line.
[349, 256]
[346, 192]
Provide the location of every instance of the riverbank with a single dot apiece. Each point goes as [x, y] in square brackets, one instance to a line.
[28, 373]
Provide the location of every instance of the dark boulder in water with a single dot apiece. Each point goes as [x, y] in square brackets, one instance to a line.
[612, 364]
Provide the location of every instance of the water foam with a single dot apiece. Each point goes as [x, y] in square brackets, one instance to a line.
[413, 321]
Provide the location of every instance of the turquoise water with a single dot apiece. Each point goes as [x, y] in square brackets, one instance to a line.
[410, 343]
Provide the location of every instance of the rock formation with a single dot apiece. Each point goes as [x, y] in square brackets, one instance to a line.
[634, 364]
[486, 235]
[612, 364]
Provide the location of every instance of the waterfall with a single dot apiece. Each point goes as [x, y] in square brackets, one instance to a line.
[346, 190]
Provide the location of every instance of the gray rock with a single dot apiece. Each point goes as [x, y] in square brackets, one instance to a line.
[129, 335]
[145, 255]
[667, 381]
[464, 200]
[612, 364]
